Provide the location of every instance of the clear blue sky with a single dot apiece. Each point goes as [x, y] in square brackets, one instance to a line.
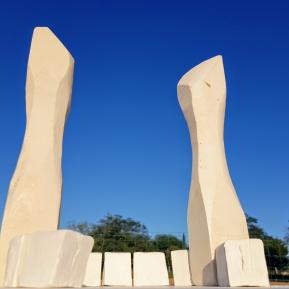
[126, 145]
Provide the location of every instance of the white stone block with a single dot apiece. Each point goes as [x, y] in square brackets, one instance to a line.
[93, 270]
[117, 269]
[242, 263]
[48, 259]
[150, 269]
[181, 268]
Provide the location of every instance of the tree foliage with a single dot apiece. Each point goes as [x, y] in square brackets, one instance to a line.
[286, 238]
[114, 233]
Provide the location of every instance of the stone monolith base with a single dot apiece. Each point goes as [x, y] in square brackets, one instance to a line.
[242, 263]
[92, 276]
[150, 269]
[214, 211]
[48, 259]
[117, 269]
[181, 268]
[34, 196]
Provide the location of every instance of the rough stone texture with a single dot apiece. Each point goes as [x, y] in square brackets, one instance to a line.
[48, 259]
[93, 270]
[242, 263]
[150, 269]
[117, 269]
[34, 196]
[181, 268]
[214, 212]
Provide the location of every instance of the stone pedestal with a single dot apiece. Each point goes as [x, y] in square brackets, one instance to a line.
[181, 268]
[48, 259]
[150, 269]
[242, 263]
[92, 276]
[117, 269]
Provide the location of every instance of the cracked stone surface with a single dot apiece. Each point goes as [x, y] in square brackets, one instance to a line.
[242, 263]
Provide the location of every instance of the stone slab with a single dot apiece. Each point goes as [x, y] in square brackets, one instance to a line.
[180, 287]
[181, 268]
[150, 269]
[93, 270]
[48, 259]
[117, 269]
[242, 263]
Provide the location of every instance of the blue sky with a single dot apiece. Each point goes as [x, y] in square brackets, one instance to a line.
[126, 145]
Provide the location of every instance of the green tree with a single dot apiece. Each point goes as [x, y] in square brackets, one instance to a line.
[286, 238]
[254, 230]
[82, 227]
[185, 246]
[114, 233]
[167, 243]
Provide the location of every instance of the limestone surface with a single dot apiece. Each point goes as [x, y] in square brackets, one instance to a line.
[34, 196]
[48, 259]
[181, 268]
[214, 211]
[150, 269]
[242, 263]
[93, 270]
[117, 269]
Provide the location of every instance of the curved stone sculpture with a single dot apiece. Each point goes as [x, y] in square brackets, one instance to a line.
[34, 197]
[214, 211]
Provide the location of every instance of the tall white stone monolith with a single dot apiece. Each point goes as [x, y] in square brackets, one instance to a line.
[34, 196]
[214, 212]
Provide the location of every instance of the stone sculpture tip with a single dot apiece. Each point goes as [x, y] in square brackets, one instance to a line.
[47, 32]
[208, 75]
[48, 52]
[203, 71]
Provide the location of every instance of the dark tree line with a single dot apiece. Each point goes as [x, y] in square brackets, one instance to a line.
[286, 238]
[115, 233]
